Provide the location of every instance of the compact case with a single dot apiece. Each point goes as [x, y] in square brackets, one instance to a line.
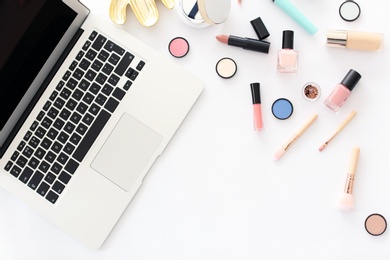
[203, 13]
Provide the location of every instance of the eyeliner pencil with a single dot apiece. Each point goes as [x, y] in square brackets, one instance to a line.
[294, 138]
[338, 130]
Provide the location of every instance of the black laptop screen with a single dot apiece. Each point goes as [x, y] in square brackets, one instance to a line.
[29, 31]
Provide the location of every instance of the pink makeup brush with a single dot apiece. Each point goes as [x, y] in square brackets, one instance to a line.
[347, 202]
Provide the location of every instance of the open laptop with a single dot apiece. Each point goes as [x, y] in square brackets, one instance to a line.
[85, 110]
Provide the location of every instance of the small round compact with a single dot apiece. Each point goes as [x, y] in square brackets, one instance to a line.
[226, 68]
[349, 11]
[311, 91]
[375, 224]
[282, 108]
[178, 47]
[203, 13]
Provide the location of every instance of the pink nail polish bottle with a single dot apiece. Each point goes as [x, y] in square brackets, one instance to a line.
[287, 57]
[342, 91]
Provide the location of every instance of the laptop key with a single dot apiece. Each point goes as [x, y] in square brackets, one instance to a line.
[71, 166]
[111, 105]
[64, 177]
[99, 42]
[118, 93]
[58, 187]
[16, 171]
[43, 188]
[91, 135]
[50, 177]
[97, 65]
[93, 36]
[124, 63]
[8, 166]
[110, 46]
[35, 180]
[52, 197]
[26, 174]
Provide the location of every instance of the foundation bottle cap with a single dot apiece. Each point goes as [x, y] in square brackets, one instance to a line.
[351, 79]
[336, 38]
[288, 40]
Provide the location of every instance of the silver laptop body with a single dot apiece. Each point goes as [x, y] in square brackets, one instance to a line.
[97, 115]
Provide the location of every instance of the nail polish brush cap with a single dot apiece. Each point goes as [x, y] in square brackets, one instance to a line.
[351, 79]
[255, 87]
[288, 40]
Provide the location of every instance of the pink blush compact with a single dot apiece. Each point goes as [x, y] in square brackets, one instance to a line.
[178, 47]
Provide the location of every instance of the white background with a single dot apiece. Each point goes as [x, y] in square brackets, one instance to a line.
[216, 192]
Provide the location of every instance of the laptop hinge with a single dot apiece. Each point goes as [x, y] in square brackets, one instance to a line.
[40, 91]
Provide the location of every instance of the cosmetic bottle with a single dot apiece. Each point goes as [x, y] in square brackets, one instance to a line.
[287, 57]
[366, 41]
[257, 111]
[342, 91]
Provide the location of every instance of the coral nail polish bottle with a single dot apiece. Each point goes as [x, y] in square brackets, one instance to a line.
[287, 57]
[342, 91]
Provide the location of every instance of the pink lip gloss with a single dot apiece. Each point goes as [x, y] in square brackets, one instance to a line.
[342, 91]
[257, 112]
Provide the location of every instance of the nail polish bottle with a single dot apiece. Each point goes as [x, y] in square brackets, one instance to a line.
[342, 91]
[287, 57]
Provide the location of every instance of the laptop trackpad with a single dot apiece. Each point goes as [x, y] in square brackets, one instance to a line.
[126, 152]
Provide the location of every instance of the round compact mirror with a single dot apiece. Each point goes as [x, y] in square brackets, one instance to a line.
[202, 13]
[349, 11]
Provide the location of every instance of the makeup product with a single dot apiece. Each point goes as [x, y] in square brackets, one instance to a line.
[294, 138]
[282, 108]
[260, 29]
[347, 202]
[375, 224]
[178, 47]
[366, 41]
[245, 43]
[226, 68]
[295, 14]
[343, 90]
[311, 91]
[349, 11]
[287, 57]
[203, 13]
[256, 101]
[341, 127]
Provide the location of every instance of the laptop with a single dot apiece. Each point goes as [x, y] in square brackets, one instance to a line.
[85, 110]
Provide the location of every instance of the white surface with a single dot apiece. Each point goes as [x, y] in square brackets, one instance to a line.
[216, 192]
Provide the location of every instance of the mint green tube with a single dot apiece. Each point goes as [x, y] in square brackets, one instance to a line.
[294, 13]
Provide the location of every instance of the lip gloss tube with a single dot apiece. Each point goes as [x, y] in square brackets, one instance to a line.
[295, 14]
[257, 112]
[366, 41]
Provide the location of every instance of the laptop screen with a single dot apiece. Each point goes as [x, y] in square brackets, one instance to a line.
[29, 32]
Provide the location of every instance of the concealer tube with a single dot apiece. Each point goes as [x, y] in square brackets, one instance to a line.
[366, 41]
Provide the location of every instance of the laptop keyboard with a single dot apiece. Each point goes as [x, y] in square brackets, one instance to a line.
[72, 118]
